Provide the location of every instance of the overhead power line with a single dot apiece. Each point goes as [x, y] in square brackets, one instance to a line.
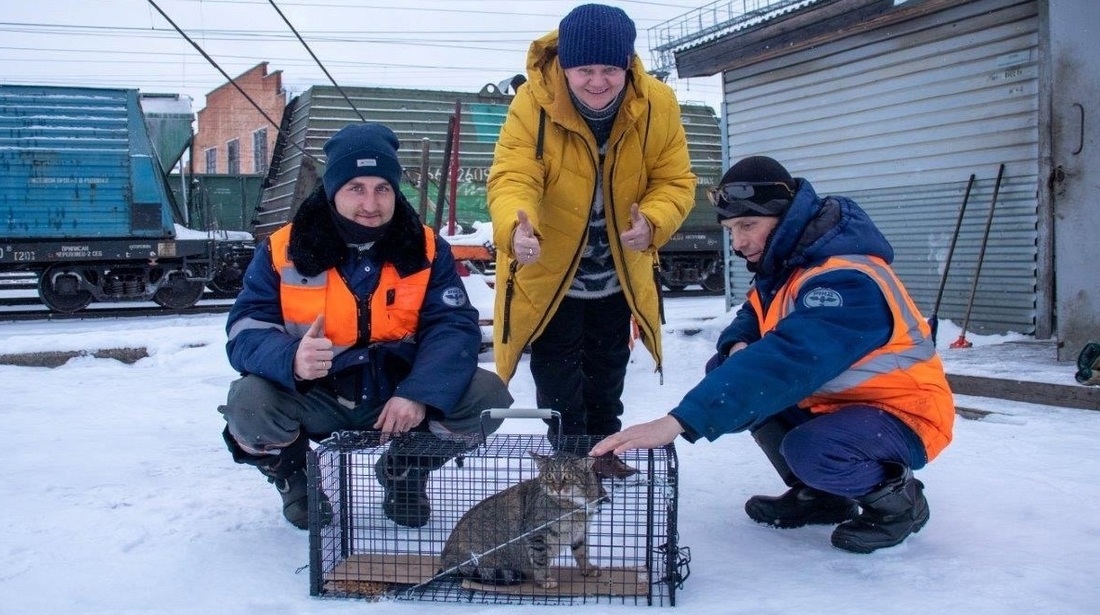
[267, 117]
[317, 60]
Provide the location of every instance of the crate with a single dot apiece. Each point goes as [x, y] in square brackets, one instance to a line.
[360, 553]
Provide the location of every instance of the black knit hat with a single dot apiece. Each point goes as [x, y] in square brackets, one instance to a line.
[596, 34]
[358, 150]
[755, 186]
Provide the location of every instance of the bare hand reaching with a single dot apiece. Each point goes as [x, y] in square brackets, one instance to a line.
[525, 245]
[653, 434]
[313, 359]
[639, 236]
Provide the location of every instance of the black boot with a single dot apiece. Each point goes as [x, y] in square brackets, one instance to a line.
[295, 494]
[891, 513]
[403, 473]
[287, 471]
[799, 506]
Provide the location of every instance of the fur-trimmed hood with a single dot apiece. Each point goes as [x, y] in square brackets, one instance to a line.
[316, 246]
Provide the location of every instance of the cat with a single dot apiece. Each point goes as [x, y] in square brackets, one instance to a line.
[513, 535]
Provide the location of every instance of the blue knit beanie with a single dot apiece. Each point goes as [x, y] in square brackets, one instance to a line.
[596, 34]
[358, 150]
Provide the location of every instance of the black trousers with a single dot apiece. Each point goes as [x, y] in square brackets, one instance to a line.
[579, 364]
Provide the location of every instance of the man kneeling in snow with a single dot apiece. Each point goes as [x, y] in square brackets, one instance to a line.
[829, 365]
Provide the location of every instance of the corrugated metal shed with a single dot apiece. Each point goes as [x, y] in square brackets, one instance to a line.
[898, 119]
[712, 22]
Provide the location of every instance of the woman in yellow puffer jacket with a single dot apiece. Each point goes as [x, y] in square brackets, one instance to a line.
[591, 176]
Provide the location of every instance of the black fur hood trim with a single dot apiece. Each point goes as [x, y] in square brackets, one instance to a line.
[316, 246]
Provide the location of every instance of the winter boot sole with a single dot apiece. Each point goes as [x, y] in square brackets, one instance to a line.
[885, 521]
[852, 544]
[798, 506]
[759, 512]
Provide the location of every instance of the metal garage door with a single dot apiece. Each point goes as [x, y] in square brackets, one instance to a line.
[899, 118]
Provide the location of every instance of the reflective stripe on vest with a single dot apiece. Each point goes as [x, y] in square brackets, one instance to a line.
[904, 377]
[394, 305]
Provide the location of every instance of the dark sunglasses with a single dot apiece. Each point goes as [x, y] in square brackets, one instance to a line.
[740, 191]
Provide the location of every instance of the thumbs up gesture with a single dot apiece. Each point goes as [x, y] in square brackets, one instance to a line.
[525, 245]
[313, 359]
[640, 235]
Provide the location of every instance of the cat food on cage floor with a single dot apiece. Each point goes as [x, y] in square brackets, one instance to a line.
[511, 520]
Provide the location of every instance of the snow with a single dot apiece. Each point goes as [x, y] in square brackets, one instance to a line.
[183, 232]
[480, 235]
[119, 496]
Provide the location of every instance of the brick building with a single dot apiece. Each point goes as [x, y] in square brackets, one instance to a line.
[233, 137]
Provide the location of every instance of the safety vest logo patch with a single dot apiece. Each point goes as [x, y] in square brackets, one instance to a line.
[822, 297]
[454, 297]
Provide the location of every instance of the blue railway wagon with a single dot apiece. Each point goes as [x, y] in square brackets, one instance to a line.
[84, 202]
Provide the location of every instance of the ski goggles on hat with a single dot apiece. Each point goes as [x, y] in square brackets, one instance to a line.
[737, 199]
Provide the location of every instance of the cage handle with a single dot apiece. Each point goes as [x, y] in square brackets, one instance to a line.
[521, 413]
[545, 414]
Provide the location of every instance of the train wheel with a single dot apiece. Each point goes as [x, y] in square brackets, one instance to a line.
[179, 293]
[59, 288]
[714, 283]
[227, 282]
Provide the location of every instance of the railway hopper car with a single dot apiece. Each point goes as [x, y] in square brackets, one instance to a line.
[85, 204]
[417, 116]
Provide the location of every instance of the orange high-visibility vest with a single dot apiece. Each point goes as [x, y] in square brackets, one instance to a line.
[904, 377]
[394, 306]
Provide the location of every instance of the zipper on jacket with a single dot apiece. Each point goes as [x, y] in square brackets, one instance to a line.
[645, 332]
[509, 291]
[657, 283]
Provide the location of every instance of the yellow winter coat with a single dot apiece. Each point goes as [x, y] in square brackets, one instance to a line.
[646, 162]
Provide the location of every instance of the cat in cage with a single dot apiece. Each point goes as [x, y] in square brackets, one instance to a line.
[513, 535]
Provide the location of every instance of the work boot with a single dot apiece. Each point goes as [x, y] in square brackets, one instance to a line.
[405, 491]
[295, 494]
[403, 472]
[799, 506]
[293, 488]
[287, 472]
[890, 514]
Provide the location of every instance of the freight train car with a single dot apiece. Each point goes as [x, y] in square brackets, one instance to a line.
[85, 204]
[421, 119]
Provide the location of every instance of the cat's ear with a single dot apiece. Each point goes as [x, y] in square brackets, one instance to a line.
[540, 460]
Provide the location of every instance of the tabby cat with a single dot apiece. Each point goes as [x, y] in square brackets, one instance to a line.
[513, 535]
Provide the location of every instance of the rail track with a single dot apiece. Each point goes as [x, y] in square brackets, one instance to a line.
[19, 302]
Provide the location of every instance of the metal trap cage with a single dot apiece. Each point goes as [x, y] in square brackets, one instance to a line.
[357, 552]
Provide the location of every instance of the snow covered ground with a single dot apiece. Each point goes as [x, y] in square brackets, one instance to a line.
[118, 495]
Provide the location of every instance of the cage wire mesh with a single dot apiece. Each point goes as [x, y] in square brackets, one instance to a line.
[357, 552]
